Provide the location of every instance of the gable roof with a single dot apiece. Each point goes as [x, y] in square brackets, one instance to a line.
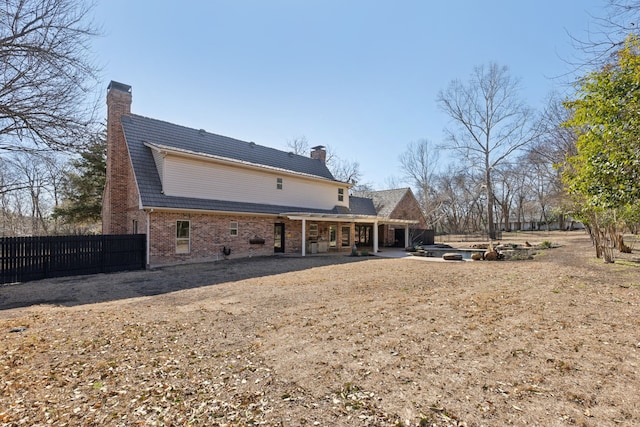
[140, 131]
[385, 201]
[146, 130]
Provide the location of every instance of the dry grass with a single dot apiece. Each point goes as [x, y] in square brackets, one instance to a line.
[380, 342]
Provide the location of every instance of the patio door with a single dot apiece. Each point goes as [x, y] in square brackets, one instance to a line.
[333, 236]
[364, 235]
[278, 238]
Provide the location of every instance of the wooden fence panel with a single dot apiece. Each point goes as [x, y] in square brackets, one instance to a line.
[31, 258]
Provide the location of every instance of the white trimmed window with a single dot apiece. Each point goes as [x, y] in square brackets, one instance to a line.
[183, 237]
[340, 194]
[279, 183]
[233, 228]
[313, 230]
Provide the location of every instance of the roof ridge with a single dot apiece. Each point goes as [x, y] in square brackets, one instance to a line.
[194, 129]
[213, 134]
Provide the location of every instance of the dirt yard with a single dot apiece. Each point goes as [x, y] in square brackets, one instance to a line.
[330, 341]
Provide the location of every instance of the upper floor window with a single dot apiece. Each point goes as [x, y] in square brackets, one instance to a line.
[183, 237]
[340, 194]
[279, 183]
[233, 228]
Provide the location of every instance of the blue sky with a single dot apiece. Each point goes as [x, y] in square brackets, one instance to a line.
[359, 76]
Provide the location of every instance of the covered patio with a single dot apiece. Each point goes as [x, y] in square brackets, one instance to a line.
[339, 232]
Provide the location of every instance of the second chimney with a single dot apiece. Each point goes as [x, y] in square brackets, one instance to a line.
[319, 153]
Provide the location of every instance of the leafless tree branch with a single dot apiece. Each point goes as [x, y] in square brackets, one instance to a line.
[46, 74]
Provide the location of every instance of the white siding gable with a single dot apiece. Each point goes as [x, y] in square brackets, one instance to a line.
[208, 179]
[158, 158]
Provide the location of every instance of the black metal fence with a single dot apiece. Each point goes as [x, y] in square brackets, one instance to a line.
[469, 237]
[31, 258]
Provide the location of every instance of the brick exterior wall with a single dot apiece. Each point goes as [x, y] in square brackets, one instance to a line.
[121, 200]
[407, 208]
[210, 233]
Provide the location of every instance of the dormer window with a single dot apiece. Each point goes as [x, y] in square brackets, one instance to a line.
[279, 183]
[341, 194]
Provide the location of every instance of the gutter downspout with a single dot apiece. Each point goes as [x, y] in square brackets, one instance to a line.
[148, 238]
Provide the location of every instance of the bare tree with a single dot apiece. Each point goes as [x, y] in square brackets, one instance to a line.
[504, 191]
[40, 172]
[46, 74]
[547, 155]
[342, 170]
[393, 182]
[420, 166]
[345, 170]
[462, 201]
[490, 123]
[556, 142]
[620, 18]
[299, 145]
[10, 181]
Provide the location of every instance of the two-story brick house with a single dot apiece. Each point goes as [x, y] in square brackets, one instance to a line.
[200, 196]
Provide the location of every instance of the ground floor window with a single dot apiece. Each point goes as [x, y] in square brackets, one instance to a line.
[183, 239]
[233, 228]
[346, 236]
[278, 238]
[313, 231]
[363, 235]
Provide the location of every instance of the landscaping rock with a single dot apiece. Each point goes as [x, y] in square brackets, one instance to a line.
[491, 256]
[452, 257]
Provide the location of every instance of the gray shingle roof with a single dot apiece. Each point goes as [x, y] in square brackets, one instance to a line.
[143, 129]
[385, 201]
[361, 206]
[139, 130]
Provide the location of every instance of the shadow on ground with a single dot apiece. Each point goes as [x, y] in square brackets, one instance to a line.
[78, 290]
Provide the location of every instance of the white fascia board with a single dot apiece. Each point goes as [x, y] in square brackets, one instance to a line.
[349, 218]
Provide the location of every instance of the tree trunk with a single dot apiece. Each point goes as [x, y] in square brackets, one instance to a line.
[490, 221]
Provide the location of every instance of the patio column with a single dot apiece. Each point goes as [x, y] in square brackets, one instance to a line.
[375, 237]
[406, 236]
[304, 247]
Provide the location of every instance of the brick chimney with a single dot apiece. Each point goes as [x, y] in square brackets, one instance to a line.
[116, 191]
[319, 153]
